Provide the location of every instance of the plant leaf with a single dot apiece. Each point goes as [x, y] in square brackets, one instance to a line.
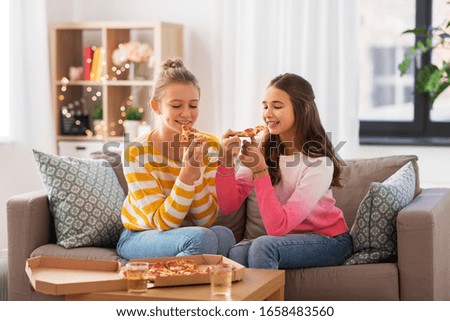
[420, 31]
[429, 79]
[403, 66]
[443, 86]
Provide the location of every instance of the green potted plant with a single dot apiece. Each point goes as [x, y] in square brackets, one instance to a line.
[133, 113]
[97, 118]
[432, 79]
[133, 117]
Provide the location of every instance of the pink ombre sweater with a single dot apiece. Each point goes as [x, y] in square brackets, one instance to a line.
[301, 203]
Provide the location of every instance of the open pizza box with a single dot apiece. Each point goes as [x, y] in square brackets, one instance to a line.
[202, 259]
[60, 276]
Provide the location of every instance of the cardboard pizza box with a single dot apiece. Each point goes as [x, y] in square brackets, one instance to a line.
[201, 259]
[60, 276]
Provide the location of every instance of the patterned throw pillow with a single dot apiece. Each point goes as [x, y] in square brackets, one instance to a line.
[374, 231]
[85, 199]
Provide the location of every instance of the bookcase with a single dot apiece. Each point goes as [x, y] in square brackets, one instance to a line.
[109, 88]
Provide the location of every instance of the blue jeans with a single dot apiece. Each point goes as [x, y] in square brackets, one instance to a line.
[189, 240]
[293, 251]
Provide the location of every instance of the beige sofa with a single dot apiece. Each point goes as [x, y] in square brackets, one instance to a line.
[420, 273]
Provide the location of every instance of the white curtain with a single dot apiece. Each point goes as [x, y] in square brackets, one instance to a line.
[32, 118]
[316, 39]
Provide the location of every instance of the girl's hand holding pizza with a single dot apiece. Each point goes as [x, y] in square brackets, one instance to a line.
[192, 158]
[252, 157]
[231, 145]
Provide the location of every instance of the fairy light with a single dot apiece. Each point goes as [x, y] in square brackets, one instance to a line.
[61, 97]
[63, 88]
[113, 133]
[94, 98]
[123, 114]
[98, 93]
[68, 115]
[122, 108]
[64, 80]
[88, 89]
[120, 121]
[77, 122]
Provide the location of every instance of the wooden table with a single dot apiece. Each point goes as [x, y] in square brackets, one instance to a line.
[257, 284]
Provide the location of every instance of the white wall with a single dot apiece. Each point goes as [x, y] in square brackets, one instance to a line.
[203, 54]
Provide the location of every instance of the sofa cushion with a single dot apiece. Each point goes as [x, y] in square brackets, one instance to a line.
[356, 282]
[254, 226]
[85, 199]
[360, 173]
[374, 231]
[114, 158]
[235, 221]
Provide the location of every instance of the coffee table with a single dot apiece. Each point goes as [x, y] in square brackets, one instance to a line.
[257, 284]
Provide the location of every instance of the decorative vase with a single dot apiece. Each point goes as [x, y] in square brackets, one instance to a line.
[98, 127]
[130, 128]
[139, 71]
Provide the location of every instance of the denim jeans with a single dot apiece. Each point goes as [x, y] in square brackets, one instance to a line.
[293, 251]
[177, 242]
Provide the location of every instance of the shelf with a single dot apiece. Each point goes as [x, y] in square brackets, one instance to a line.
[89, 138]
[74, 100]
[107, 83]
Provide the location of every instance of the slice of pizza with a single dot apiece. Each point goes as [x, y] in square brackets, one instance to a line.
[158, 269]
[251, 131]
[181, 265]
[188, 134]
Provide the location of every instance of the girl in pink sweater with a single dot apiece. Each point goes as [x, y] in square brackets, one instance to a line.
[292, 170]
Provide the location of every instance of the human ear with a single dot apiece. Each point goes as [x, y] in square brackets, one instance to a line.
[155, 106]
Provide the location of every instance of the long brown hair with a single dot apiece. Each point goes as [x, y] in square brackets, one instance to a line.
[311, 138]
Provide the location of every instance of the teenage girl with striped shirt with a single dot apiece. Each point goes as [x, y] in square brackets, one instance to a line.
[171, 185]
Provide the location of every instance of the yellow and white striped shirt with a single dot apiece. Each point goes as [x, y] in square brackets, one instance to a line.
[157, 199]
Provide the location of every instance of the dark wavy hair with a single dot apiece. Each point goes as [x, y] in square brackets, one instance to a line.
[311, 138]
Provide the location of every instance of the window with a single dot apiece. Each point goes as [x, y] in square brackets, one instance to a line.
[390, 111]
[4, 92]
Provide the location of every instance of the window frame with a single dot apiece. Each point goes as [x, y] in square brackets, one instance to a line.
[420, 131]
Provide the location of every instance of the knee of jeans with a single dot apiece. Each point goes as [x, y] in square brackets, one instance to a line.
[239, 253]
[224, 234]
[261, 244]
[203, 240]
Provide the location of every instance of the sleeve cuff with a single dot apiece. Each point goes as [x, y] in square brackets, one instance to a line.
[225, 171]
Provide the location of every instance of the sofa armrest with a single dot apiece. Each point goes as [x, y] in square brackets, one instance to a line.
[423, 237]
[28, 223]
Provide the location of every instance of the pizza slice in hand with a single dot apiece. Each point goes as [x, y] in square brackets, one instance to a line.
[251, 131]
[188, 134]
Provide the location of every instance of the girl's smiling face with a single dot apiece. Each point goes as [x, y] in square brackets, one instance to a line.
[178, 106]
[279, 114]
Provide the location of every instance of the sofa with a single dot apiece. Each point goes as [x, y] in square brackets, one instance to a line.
[420, 271]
